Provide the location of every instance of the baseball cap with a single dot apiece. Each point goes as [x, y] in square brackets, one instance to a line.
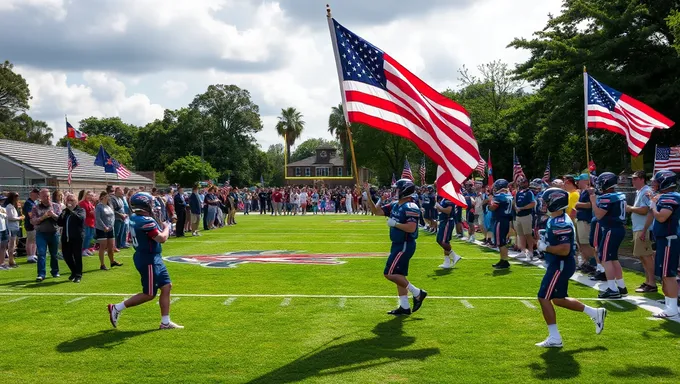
[583, 176]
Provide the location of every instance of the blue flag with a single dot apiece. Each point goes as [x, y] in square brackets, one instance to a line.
[104, 160]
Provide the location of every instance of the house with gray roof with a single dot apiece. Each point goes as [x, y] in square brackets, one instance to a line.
[46, 165]
[325, 163]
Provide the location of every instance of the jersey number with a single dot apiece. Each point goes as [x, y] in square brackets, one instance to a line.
[508, 211]
[622, 216]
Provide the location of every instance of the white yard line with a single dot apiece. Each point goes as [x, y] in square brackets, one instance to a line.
[342, 302]
[76, 299]
[17, 299]
[174, 300]
[466, 304]
[528, 304]
[285, 302]
[229, 301]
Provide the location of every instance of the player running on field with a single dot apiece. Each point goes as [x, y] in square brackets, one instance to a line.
[445, 208]
[665, 207]
[403, 222]
[501, 206]
[558, 244]
[609, 207]
[147, 236]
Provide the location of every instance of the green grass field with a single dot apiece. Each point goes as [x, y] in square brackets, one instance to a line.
[283, 323]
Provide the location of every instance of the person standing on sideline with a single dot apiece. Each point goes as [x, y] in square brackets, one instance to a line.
[44, 217]
[584, 216]
[13, 226]
[181, 211]
[262, 195]
[72, 220]
[195, 206]
[609, 207]
[665, 206]
[303, 201]
[104, 232]
[403, 222]
[642, 244]
[501, 206]
[116, 203]
[558, 244]
[27, 211]
[87, 203]
[525, 201]
[147, 237]
[4, 233]
[348, 201]
[570, 187]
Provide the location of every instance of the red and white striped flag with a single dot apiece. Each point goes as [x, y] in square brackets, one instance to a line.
[378, 91]
[447, 189]
[121, 171]
[481, 167]
[609, 109]
[423, 172]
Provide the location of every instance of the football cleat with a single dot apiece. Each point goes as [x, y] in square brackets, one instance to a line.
[503, 264]
[550, 343]
[609, 294]
[114, 314]
[623, 291]
[445, 265]
[455, 260]
[418, 301]
[599, 276]
[400, 311]
[170, 325]
[599, 320]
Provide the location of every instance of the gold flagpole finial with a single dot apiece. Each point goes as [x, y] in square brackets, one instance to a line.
[584, 69]
[328, 11]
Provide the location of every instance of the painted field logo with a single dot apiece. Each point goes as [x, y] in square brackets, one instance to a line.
[233, 259]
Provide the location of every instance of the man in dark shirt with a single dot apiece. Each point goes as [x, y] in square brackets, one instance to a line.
[26, 211]
[181, 211]
[44, 217]
[262, 194]
[195, 205]
[270, 206]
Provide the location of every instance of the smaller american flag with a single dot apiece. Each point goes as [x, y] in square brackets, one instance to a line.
[121, 171]
[667, 158]
[406, 173]
[394, 180]
[72, 161]
[481, 167]
[546, 173]
[517, 169]
[422, 171]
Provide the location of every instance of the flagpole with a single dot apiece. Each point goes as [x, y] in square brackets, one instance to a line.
[585, 112]
[334, 42]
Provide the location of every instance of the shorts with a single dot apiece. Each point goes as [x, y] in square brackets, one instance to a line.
[458, 214]
[523, 225]
[14, 233]
[500, 231]
[30, 235]
[4, 236]
[667, 256]
[595, 234]
[101, 235]
[445, 232]
[400, 255]
[427, 215]
[195, 218]
[642, 247]
[610, 240]
[154, 275]
[582, 232]
[555, 283]
[470, 216]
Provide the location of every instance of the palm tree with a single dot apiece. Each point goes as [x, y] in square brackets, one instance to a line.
[338, 127]
[290, 126]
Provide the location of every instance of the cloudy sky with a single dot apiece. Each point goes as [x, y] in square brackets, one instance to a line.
[134, 58]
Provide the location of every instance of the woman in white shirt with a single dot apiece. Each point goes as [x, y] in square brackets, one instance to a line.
[13, 226]
[4, 234]
[348, 202]
[303, 200]
[296, 202]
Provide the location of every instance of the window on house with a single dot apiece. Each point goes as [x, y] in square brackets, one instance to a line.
[338, 171]
[297, 171]
[322, 171]
[308, 172]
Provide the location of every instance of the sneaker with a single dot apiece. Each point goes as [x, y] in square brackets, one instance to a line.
[550, 343]
[85, 254]
[56, 275]
[599, 320]
[665, 315]
[70, 278]
[599, 276]
[77, 279]
[418, 301]
[400, 311]
[170, 325]
[103, 268]
[114, 314]
[32, 259]
[4, 267]
[644, 288]
[503, 264]
[60, 256]
[445, 265]
[609, 294]
[116, 264]
[455, 260]
[12, 266]
[39, 279]
[623, 291]
[471, 239]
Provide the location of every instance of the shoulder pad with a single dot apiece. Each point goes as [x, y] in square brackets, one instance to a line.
[411, 205]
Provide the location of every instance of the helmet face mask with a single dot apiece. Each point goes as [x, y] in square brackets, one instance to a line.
[605, 182]
[499, 185]
[142, 203]
[556, 199]
[405, 188]
[664, 180]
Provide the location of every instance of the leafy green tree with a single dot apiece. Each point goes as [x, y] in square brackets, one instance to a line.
[275, 158]
[337, 126]
[91, 145]
[23, 128]
[189, 170]
[290, 126]
[14, 92]
[308, 148]
[124, 134]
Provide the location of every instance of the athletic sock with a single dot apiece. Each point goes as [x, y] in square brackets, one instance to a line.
[671, 305]
[414, 290]
[553, 332]
[600, 268]
[447, 259]
[165, 319]
[620, 283]
[120, 306]
[403, 302]
[612, 285]
[590, 311]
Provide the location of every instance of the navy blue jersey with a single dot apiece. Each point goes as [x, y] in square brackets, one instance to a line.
[143, 231]
[522, 199]
[560, 230]
[443, 217]
[468, 201]
[615, 205]
[671, 202]
[428, 200]
[403, 214]
[584, 214]
[503, 203]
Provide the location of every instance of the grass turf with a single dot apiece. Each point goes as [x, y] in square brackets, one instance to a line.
[52, 333]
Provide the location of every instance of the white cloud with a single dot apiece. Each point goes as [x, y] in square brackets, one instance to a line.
[52, 8]
[174, 89]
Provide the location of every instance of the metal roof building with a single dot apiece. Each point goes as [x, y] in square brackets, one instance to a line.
[45, 165]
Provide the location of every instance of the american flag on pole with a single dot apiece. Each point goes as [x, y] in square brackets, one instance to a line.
[406, 173]
[667, 158]
[394, 180]
[422, 172]
[546, 173]
[121, 171]
[481, 167]
[490, 179]
[614, 111]
[378, 91]
[517, 169]
[72, 161]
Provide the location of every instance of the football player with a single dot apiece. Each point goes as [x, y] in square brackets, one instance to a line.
[501, 206]
[429, 200]
[147, 236]
[538, 214]
[470, 210]
[665, 207]
[445, 208]
[403, 222]
[609, 207]
[559, 246]
[524, 202]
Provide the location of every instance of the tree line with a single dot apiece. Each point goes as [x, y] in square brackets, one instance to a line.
[537, 108]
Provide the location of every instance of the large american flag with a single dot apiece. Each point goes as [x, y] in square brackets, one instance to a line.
[71, 162]
[667, 158]
[619, 113]
[517, 169]
[422, 171]
[380, 92]
[481, 167]
[546, 173]
[406, 173]
[121, 171]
